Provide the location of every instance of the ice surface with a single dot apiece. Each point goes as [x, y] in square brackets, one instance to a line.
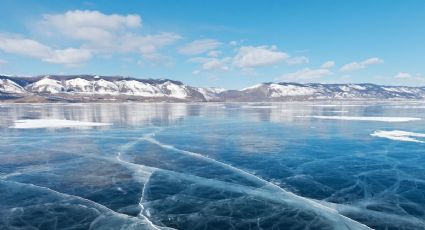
[353, 118]
[194, 166]
[399, 135]
[54, 123]
[28, 206]
[330, 215]
[337, 105]
[259, 106]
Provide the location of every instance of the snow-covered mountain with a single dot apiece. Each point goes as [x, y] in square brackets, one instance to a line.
[9, 86]
[316, 91]
[101, 88]
[72, 87]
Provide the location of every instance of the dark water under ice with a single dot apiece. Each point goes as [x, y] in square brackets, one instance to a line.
[212, 166]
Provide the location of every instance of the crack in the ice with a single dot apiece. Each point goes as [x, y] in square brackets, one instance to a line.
[313, 205]
[84, 199]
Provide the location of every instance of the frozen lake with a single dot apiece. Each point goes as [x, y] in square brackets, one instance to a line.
[212, 166]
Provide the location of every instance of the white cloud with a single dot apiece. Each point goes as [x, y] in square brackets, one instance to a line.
[199, 46]
[297, 60]
[68, 56]
[361, 65]
[213, 64]
[404, 78]
[217, 64]
[328, 65]
[403, 75]
[199, 59]
[23, 46]
[144, 44]
[251, 56]
[105, 34]
[306, 74]
[373, 61]
[35, 49]
[214, 53]
[196, 72]
[148, 45]
[90, 25]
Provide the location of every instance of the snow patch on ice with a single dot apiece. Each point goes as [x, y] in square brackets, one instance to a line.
[350, 118]
[399, 135]
[53, 123]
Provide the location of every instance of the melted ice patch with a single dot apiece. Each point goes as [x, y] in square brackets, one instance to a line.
[352, 118]
[399, 135]
[53, 123]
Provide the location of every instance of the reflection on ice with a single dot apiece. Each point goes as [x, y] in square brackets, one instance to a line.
[54, 123]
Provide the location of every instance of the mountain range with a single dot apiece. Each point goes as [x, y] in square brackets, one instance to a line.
[93, 88]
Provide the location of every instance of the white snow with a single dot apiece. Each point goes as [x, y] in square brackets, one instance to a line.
[252, 87]
[46, 85]
[358, 87]
[350, 118]
[53, 123]
[210, 93]
[345, 88]
[399, 135]
[216, 89]
[290, 90]
[8, 86]
[105, 87]
[176, 91]
[398, 89]
[79, 85]
[133, 87]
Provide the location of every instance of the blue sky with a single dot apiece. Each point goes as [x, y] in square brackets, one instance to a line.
[231, 44]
